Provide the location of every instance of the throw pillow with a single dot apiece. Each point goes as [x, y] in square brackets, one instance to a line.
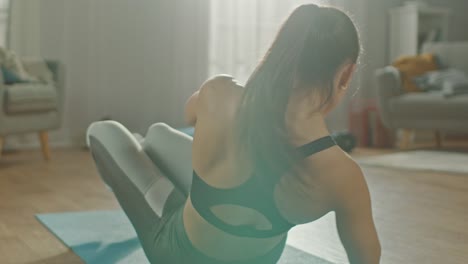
[10, 61]
[10, 77]
[412, 66]
[438, 80]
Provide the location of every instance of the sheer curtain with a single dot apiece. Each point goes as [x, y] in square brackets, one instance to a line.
[24, 27]
[242, 30]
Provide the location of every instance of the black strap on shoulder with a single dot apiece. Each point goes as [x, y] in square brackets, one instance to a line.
[316, 146]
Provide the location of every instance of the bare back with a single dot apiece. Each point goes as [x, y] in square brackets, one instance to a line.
[215, 160]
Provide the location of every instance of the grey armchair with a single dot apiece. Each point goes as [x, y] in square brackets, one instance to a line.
[33, 107]
[428, 110]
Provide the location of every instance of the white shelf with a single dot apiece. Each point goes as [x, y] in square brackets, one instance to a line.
[424, 10]
[411, 26]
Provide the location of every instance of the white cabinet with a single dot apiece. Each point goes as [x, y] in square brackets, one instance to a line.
[412, 25]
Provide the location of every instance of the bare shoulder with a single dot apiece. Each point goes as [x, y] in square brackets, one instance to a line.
[338, 173]
[219, 85]
[327, 180]
[347, 170]
[347, 182]
[335, 166]
[220, 96]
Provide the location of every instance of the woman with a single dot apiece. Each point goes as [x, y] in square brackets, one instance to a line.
[263, 160]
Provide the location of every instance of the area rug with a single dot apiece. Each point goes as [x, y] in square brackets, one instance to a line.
[437, 161]
[107, 237]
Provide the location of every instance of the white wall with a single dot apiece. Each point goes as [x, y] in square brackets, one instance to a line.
[135, 61]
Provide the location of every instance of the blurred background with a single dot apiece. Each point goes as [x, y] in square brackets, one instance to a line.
[138, 61]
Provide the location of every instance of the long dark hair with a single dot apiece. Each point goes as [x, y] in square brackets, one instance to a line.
[307, 52]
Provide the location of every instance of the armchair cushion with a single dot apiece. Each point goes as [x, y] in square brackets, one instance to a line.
[10, 61]
[30, 97]
[430, 105]
[40, 69]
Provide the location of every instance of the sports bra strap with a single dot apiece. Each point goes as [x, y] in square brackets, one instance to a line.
[317, 146]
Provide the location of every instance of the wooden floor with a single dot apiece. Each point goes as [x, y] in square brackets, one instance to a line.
[421, 217]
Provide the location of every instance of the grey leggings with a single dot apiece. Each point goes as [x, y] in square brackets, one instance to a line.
[153, 196]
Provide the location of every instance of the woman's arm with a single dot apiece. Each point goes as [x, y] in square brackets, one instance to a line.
[354, 220]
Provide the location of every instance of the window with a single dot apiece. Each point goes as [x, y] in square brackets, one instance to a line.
[241, 32]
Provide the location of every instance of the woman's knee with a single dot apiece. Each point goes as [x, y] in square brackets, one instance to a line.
[160, 127]
[162, 137]
[164, 131]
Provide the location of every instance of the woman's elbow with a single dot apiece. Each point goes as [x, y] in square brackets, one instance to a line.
[374, 249]
[376, 253]
[190, 117]
[367, 254]
[190, 121]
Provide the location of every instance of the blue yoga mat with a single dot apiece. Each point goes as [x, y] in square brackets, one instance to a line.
[107, 237]
[188, 130]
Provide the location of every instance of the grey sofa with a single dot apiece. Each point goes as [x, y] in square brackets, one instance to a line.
[424, 111]
[33, 107]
